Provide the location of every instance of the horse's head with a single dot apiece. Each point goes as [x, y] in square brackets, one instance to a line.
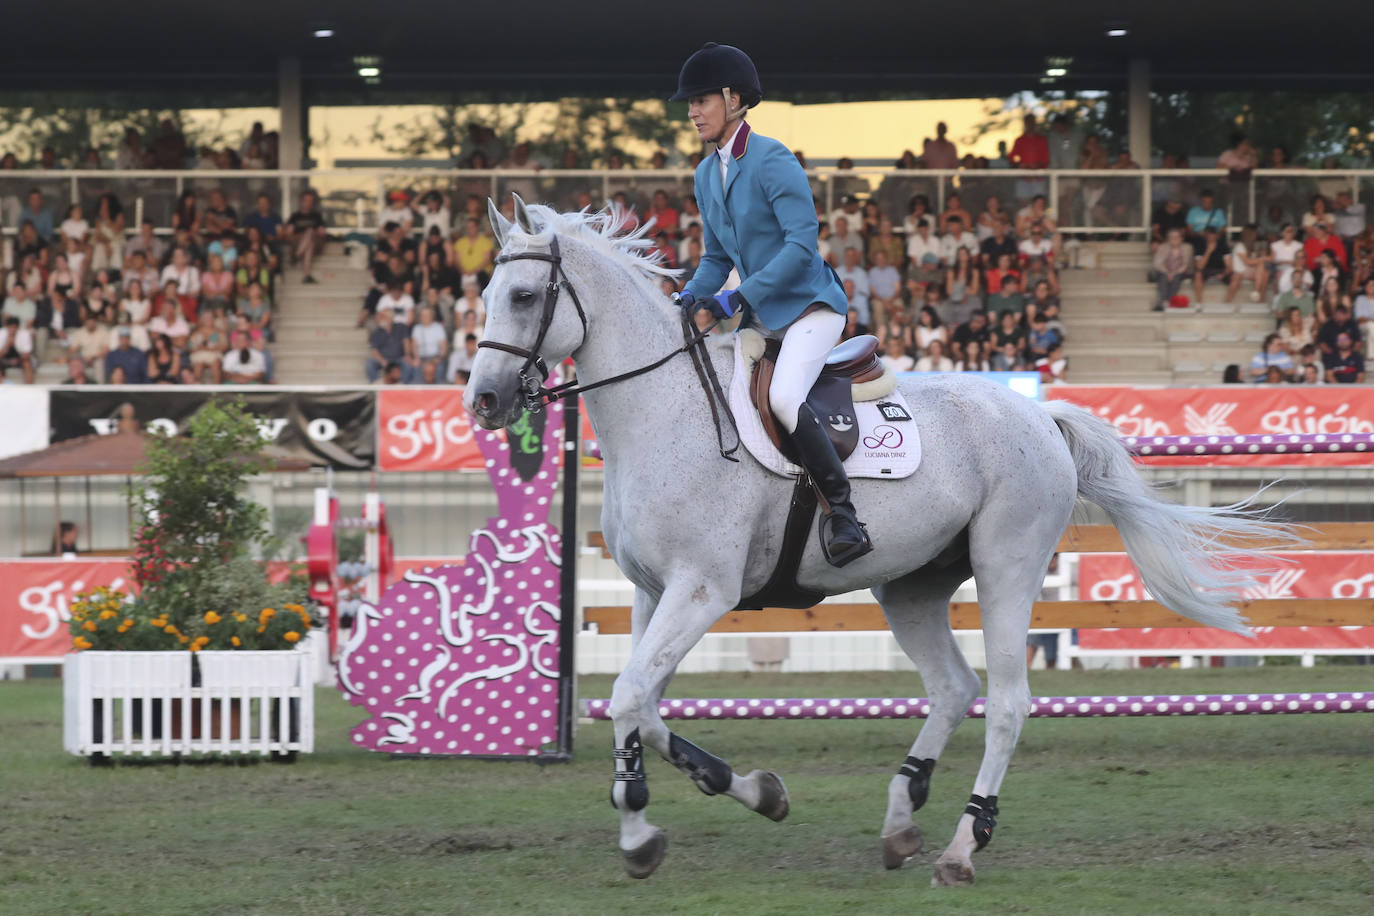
[534, 321]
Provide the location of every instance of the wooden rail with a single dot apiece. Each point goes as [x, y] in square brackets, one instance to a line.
[1274, 612]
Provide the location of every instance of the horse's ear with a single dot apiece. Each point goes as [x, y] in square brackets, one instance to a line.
[522, 216]
[500, 226]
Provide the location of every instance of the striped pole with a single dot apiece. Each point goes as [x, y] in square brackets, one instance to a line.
[1225, 704]
[1266, 444]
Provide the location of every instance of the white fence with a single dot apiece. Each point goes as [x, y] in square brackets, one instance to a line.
[144, 703]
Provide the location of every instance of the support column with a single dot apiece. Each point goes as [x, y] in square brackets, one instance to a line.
[1138, 111]
[293, 113]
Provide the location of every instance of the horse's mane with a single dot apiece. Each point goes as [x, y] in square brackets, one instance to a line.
[601, 230]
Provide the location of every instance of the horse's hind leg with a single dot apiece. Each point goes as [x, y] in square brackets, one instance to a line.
[917, 610]
[683, 616]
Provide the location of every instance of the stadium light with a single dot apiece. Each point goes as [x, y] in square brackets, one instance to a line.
[1056, 71]
[323, 33]
[369, 71]
[1117, 32]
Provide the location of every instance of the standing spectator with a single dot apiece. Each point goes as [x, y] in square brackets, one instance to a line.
[39, 214]
[940, 153]
[388, 345]
[16, 348]
[1205, 215]
[306, 233]
[169, 149]
[107, 236]
[1273, 354]
[474, 253]
[131, 154]
[1240, 161]
[130, 362]
[1031, 150]
[1345, 364]
[1064, 144]
[243, 364]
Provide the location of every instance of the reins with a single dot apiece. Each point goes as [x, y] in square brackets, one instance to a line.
[535, 395]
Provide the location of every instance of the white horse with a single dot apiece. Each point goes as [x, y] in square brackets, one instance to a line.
[997, 485]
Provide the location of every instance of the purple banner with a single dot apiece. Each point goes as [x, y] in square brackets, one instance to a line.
[1280, 444]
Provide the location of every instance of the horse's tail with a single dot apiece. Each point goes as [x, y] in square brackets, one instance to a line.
[1185, 554]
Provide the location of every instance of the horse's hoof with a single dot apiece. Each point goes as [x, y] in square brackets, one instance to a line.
[641, 861]
[773, 802]
[949, 873]
[902, 846]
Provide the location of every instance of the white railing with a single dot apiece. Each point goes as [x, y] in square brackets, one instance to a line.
[144, 703]
[1094, 202]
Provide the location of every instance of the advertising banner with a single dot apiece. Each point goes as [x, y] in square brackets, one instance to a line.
[34, 599]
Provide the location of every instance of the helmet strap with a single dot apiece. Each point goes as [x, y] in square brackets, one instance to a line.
[733, 113]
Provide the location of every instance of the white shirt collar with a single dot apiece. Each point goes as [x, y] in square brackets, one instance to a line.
[723, 150]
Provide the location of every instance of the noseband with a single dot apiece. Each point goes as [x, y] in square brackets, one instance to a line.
[535, 396]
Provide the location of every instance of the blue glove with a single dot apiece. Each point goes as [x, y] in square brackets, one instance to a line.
[725, 305]
[686, 301]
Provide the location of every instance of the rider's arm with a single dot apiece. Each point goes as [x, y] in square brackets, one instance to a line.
[785, 185]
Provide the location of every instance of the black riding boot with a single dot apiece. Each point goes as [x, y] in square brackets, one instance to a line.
[843, 538]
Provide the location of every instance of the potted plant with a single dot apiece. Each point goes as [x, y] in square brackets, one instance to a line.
[206, 655]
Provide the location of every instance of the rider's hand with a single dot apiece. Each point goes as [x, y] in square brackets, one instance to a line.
[686, 301]
[726, 305]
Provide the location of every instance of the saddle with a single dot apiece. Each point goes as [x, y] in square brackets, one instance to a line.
[832, 397]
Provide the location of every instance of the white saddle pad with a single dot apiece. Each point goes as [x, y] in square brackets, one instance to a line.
[889, 446]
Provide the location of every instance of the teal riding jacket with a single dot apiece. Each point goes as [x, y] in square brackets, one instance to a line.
[763, 223]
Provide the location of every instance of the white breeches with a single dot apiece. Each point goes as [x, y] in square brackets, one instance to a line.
[805, 345]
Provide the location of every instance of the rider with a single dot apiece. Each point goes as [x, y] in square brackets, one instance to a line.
[763, 223]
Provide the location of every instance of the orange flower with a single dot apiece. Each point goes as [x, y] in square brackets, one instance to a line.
[262, 629]
[106, 615]
[241, 617]
[128, 622]
[236, 641]
[89, 625]
[291, 636]
[82, 642]
[170, 628]
[184, 638]
[212, 618]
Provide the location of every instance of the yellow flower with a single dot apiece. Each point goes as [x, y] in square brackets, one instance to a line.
[262, 629]
[170, 628]
[82, 642]
[89, 625]
[184, 638]
[241, 617]
[107, 614]
[212, 618]
[291, 636]
[236, 641]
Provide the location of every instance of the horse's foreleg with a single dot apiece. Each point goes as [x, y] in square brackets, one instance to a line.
[682, 617]
[917, 609]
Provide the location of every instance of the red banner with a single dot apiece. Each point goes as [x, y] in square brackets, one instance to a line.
[1232, 410]
[1111, 577]
[35, 596]
[425, 429]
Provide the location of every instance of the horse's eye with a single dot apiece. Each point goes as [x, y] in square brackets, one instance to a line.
[522, 297]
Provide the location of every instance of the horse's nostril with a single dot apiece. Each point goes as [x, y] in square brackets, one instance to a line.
[484, 403]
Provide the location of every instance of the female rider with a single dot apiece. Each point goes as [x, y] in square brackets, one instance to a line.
[759, 217]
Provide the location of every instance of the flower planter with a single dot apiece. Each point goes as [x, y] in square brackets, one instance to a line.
[172, 703]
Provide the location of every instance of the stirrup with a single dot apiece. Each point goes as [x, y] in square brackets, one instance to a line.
[845, 557]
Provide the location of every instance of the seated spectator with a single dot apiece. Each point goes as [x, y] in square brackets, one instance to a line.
[40, 215]
[397, 301]
[1041, 338]
[852, 273]
[1364, 309]
[1319, 240]
[139, 337]
[164, 362]
[848, 210]
[429, 338]
[16, 348]
[1005, 268]
[470, 302]
[1008, 296]
[691, 214]
[895, 356]
[1296, 292]
[1168, 215]
[664, 249]
[305, 232]
[474, 253]
[1036, 213]
[954, 209]
[75, 227]
[1008, 359]
[243, 364]
[1310, 374]
[145, 243]
[1036, 245]
[853, 327]
[1339, 323]
[921, 243]
[1053, 366]
[398, 211]
[985, 227]
[170, 321]
[20, 306]
[389, 344]
[1296, 332]
[884, 287]
[956, 238]
[1212, 261]
[1318, 214]
[934, 359]
[266, 221]
[227, 247]
[394, 240]
[134, 304]
[976, 328]
[1349, 219]
[436, 216]
[255, 307]
[460, 360]
[1344, 365]
[181, 281]
[844, 238]
[1285, 253]
[1206, 215]
[140, 272]
[63, 282]
[77, 373]
[207, 345]
[1009, 330]
[928, 328]
[998, 243]
[963, 280]
[129, 362]
[219, 216]
[1273, 354]
[89, 343]
[664, 215]
[973, 359]
[217, 286]
[1248, 263]
[251, 269]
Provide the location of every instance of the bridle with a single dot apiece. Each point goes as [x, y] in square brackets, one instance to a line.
[535, 396]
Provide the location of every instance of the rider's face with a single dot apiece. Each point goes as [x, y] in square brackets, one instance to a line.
[708, 115]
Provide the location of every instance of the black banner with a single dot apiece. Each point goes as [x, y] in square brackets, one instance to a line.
[336, 428]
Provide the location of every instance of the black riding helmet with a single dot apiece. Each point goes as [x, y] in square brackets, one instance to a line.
[716, 67]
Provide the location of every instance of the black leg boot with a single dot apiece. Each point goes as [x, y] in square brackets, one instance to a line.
[843, 538]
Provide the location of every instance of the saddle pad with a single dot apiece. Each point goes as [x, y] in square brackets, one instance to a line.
[889, 447]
